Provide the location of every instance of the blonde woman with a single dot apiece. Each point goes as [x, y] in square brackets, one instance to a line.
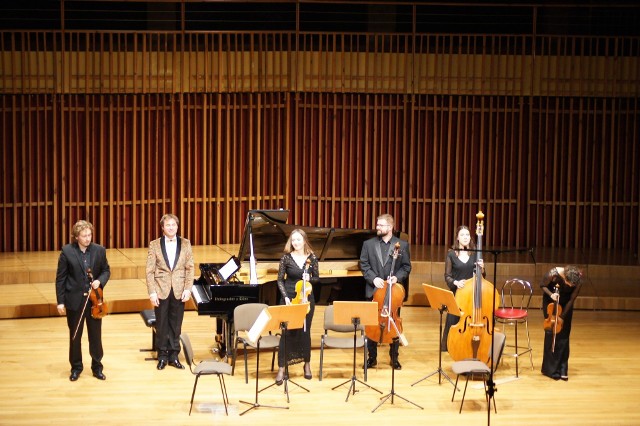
[292, 269]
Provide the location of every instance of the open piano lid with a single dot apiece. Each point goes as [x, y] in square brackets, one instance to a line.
[270, 233]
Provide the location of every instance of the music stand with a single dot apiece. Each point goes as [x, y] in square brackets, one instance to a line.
[286, 317]
[262, 324]
[394, 358]
[441, 300]
[356, 313]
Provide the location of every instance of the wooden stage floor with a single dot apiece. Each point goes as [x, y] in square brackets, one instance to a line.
[34, 370]
[602, 389]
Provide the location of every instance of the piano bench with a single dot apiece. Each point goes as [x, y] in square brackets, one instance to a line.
[149, 318]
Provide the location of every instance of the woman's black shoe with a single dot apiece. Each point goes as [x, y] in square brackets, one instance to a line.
[280, 377]
[307, 371]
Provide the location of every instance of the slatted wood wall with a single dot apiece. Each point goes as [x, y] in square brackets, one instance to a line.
[541, 133]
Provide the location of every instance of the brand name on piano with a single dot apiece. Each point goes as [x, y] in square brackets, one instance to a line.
[230, 299]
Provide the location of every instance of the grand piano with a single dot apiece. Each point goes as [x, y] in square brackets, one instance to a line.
[264, 237]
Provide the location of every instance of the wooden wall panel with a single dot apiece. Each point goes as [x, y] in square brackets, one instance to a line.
[120, 128]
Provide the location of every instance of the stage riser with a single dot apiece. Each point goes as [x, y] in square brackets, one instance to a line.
[27, 279]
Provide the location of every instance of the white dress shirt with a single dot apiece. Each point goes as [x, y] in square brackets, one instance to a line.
[171, 246]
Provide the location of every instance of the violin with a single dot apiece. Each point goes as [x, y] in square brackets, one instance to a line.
[303, 288]
[98, 305]
[553, 321]
[389, 299]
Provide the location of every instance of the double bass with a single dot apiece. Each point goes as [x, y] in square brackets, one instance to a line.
[389, 299]
[471, 336]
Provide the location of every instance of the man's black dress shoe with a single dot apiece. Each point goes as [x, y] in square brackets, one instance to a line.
[396, 365]
[162, 364]
[372, 362]
[175, 363]
[98, 375]
[74, 375]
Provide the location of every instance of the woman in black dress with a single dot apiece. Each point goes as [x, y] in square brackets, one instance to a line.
[568, 279]
[459, 266]
[292, 269]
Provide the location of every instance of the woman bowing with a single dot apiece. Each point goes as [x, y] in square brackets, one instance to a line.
[568, 281]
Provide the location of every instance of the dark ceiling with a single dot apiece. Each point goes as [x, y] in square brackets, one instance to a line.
[620, 18]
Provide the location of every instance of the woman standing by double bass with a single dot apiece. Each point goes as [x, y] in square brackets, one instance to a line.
[459, 266]
[471, 337]
[568, 281]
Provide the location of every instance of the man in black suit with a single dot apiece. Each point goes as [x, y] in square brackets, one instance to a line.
[72, 289]
[375, 264]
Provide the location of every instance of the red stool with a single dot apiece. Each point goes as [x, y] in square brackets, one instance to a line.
[515, 297]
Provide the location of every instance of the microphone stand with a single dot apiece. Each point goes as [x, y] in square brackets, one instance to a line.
[491, 386]
[394, 358]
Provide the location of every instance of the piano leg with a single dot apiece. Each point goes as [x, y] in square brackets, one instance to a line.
[222, 338]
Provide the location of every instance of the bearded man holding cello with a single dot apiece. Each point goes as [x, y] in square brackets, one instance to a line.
[379, 255]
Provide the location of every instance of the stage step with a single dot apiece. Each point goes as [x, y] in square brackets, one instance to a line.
[27, 280]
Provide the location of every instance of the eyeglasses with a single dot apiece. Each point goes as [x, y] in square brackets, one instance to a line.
[380, 225]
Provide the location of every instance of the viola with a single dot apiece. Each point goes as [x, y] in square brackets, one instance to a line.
[471, 336]
[553, 321]
[389, 299]
[98, 305]
[303, 288]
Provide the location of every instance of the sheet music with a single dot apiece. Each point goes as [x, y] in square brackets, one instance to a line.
[258, 327]
[228, 269]
[253, 274]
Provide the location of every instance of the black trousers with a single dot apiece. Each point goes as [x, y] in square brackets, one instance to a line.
[372, 349]
[94, 333]
[169, 316]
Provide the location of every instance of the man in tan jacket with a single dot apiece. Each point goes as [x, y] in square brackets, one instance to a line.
[169, 282]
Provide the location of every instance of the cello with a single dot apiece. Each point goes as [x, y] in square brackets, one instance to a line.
[471, 336]
[389, 299]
